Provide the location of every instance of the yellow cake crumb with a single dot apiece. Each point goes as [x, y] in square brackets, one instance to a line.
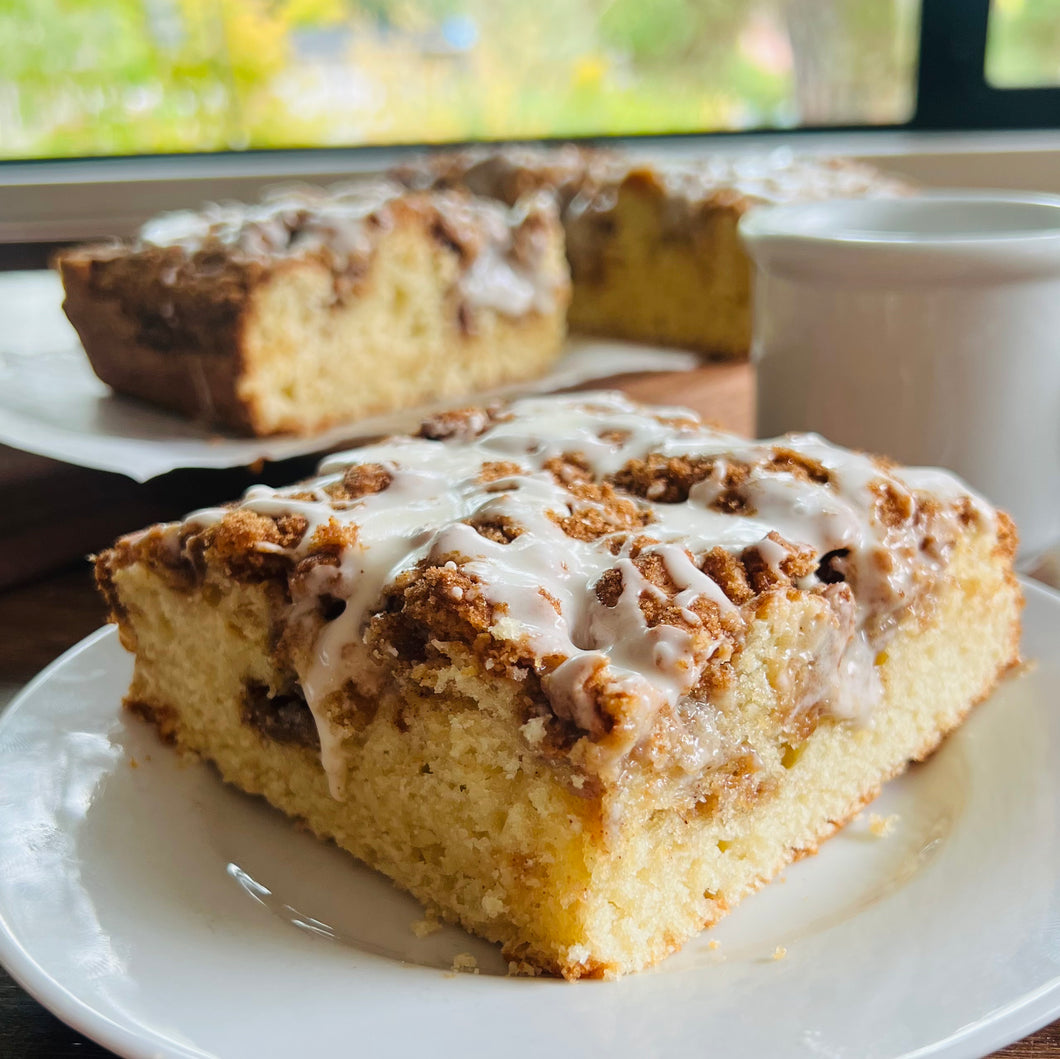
[423, 928]
[882, 826]
[465, 962]
[779, 953]
[534, 730]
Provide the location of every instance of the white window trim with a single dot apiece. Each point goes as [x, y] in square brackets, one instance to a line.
[44, 202]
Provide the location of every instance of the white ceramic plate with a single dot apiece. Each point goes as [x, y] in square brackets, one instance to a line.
[52, 404]
[164, 914]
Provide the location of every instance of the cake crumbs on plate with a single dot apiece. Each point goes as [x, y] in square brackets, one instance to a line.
[465, 962]
[713, 944]
[882, 826]
[779, 953]
[425, 927]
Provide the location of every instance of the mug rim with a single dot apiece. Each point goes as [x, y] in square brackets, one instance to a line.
[883, 232]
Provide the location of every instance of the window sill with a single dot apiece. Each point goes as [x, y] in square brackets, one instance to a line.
[62, 201]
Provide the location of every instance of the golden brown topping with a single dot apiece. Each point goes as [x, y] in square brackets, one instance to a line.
[497, 528]
[641, 542]
[645, 179]
[495, 470]
[1007, 536]
[242, 529]
[598, 510]
[664, 479]
[334, 537]
[459, 424]
[431, 606]
[609, 588]
[729, 573]
[680, 423]
[801, 560]
[291, 528]
[763, 574]
[634, 606]
[732, 502]
[458, 225]
[568, 468]
[450, 237]
[799, 465]
[553, 602]
[360, 479]
[892, 507]
[669, 479]
[235, 544]
[658, 608]
[446, 600]
[968, 514]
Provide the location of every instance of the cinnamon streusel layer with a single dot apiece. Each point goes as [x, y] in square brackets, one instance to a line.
[577, 673]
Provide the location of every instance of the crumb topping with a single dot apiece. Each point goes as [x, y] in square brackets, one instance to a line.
[503, 254]
[607, 556]
[461, 424]
[584, 179]
[360, 479]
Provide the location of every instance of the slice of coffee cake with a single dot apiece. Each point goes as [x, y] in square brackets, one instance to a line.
[579, 674]
[317, 307]
[653, 248]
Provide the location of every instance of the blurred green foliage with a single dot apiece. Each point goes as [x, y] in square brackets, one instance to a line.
[1023, 43]
[107, 77]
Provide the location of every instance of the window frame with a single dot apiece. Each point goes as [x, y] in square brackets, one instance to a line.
[952, 88]
[54, 201]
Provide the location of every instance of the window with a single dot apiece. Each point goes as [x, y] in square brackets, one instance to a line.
[121, 77]
[1023, 43]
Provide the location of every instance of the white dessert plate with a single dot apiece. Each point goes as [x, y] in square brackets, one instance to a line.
[53, 405]
[164, 914]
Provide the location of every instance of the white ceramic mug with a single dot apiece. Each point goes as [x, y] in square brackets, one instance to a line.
[925, 328]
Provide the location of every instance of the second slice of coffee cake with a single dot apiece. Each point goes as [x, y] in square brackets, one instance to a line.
[313, 307]
[653, 246]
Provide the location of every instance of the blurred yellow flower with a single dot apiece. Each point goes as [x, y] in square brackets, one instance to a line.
[589, 71]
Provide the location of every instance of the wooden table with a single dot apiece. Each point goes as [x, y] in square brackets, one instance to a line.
[42, 617]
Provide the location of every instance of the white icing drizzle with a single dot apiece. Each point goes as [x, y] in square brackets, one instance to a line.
[286, 222]
[586, 180]
[542, 584]
[343, 223]
[775, 177]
